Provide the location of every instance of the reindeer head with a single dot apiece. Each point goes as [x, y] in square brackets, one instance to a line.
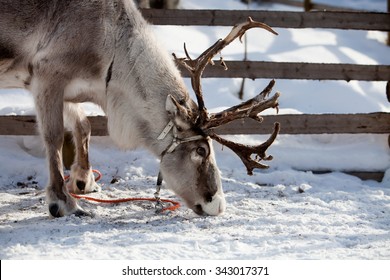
[188, 164]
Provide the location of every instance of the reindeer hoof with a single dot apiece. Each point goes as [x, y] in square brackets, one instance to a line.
[54, 210]
[96, 188]
[80, 185]
[83, 213]
[82, 181]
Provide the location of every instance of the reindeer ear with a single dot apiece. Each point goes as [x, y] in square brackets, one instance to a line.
[174, 108]
[178, 112]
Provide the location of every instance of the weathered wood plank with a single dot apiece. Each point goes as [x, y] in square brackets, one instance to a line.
[27, 125]
[376, 176]
[378, 123]
[313, 124]
[313, 5]
[292, 70]
[98, 125]
[338, 20]
[363, 175]
[388, 33]
[18, 125]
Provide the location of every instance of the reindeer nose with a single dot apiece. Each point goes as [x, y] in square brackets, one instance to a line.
[80, 185]
[208, 197]
[198, 209]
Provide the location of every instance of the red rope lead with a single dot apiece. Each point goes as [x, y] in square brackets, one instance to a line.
[98, 174]
[174, 206]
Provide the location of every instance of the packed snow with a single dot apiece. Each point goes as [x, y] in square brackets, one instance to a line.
[285, 212]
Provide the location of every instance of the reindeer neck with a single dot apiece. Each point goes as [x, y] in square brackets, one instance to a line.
[143, 75]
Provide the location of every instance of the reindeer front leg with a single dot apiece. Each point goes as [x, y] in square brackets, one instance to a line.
[49, 105]
[81, 178]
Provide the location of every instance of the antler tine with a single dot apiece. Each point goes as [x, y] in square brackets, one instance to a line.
[245, 152]
[186, 52]
[248, 109]
[240, 29]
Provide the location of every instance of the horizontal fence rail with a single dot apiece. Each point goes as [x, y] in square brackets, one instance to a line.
[312, 5]
[376, 123]
[339, 20]
[296, 70]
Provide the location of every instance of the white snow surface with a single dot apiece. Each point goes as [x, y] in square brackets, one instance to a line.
[280, 213]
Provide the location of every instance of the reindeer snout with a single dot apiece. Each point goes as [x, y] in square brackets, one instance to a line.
[213, 208]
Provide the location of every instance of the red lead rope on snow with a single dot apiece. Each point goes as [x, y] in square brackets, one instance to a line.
[174, 206]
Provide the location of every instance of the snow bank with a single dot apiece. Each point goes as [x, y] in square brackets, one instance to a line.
[280, 213]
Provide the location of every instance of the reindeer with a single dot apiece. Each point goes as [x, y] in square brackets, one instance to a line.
[66, 52]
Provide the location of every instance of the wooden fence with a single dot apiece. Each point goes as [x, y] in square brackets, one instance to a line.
[378, 123]
[309, 5]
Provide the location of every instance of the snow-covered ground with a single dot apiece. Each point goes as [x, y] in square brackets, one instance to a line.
[281, 213]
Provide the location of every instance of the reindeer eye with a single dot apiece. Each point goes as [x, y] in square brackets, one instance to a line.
[201, 151]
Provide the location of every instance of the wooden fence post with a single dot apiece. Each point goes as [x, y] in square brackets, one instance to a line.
[308, 5]
[388, 88]
[388, 33]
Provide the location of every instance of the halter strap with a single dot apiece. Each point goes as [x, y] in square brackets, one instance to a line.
[175, 141]
[166, 130]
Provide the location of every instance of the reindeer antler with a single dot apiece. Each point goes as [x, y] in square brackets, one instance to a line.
[249, 109]
[245, 152]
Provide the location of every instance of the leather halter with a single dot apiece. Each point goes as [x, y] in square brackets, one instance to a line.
[176, 141]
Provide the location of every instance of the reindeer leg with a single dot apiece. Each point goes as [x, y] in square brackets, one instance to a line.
[49, 106]
[81, 178]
